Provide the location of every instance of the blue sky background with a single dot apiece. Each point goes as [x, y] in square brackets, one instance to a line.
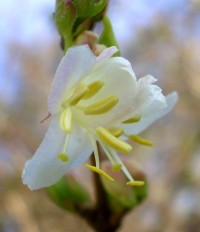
[30, 21]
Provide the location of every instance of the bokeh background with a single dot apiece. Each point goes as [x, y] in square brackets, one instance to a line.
[161, 38]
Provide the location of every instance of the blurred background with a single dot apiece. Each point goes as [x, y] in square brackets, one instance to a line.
[161, 38]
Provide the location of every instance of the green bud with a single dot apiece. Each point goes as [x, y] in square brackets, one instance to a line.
[65, 17]
[69, 194]
[89, 8]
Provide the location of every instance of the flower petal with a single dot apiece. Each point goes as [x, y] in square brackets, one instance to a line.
[77, 63]
[45, 169]
[79, 148]
[107, 53]
[147, 92]
[120, 81]
[151, 114]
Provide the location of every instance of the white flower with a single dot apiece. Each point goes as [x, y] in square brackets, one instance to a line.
[94, 100]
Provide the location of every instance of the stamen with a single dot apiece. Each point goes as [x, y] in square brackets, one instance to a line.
[112, 141]
[93, 89]
[96, 154]
[78, 94]
[99, 171]
[140, 140]
[123, 167]
[102, 106]
[120, 165]
[116, 167]
[136, 118]
[116, 131]
[63, 157]
[135, 183]
[109, 155]
[66, 120]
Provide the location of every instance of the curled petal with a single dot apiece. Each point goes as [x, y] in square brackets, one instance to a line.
[155, 111]
[146, 94]
[107, 53]
[77, 63]
[45, 168]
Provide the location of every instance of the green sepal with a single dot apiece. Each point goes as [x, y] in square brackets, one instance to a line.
[65, 17]
[108, 37]
[89, 8]
[68, 194]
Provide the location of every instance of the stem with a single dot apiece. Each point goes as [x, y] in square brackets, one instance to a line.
[101, 218]
[101, 200]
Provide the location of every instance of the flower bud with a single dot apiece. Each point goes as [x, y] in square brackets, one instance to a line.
[122, 197]
[69, 194]
[65, 16]
[89, 8]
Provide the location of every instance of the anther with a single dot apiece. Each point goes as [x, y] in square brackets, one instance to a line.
[116, 131]
[116, 167]
[66, 120]
[135, 183]
[140, 140]
[63, 157]
[112, 141]
[99, 171]
[93, 89]
[134, 119]
[102, 106]
[78, 94]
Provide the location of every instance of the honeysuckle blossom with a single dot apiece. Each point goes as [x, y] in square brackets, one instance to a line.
[94, 100]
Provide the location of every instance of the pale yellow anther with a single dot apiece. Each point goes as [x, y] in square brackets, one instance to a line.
[66, 120]
[99, 171]
[112, 141]
[78, 94]
[135, 183]
[116, 167]
[102, 106]
[140, 140]
[116, 131]
[93, 89]
[136, 118]
[63, 157]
